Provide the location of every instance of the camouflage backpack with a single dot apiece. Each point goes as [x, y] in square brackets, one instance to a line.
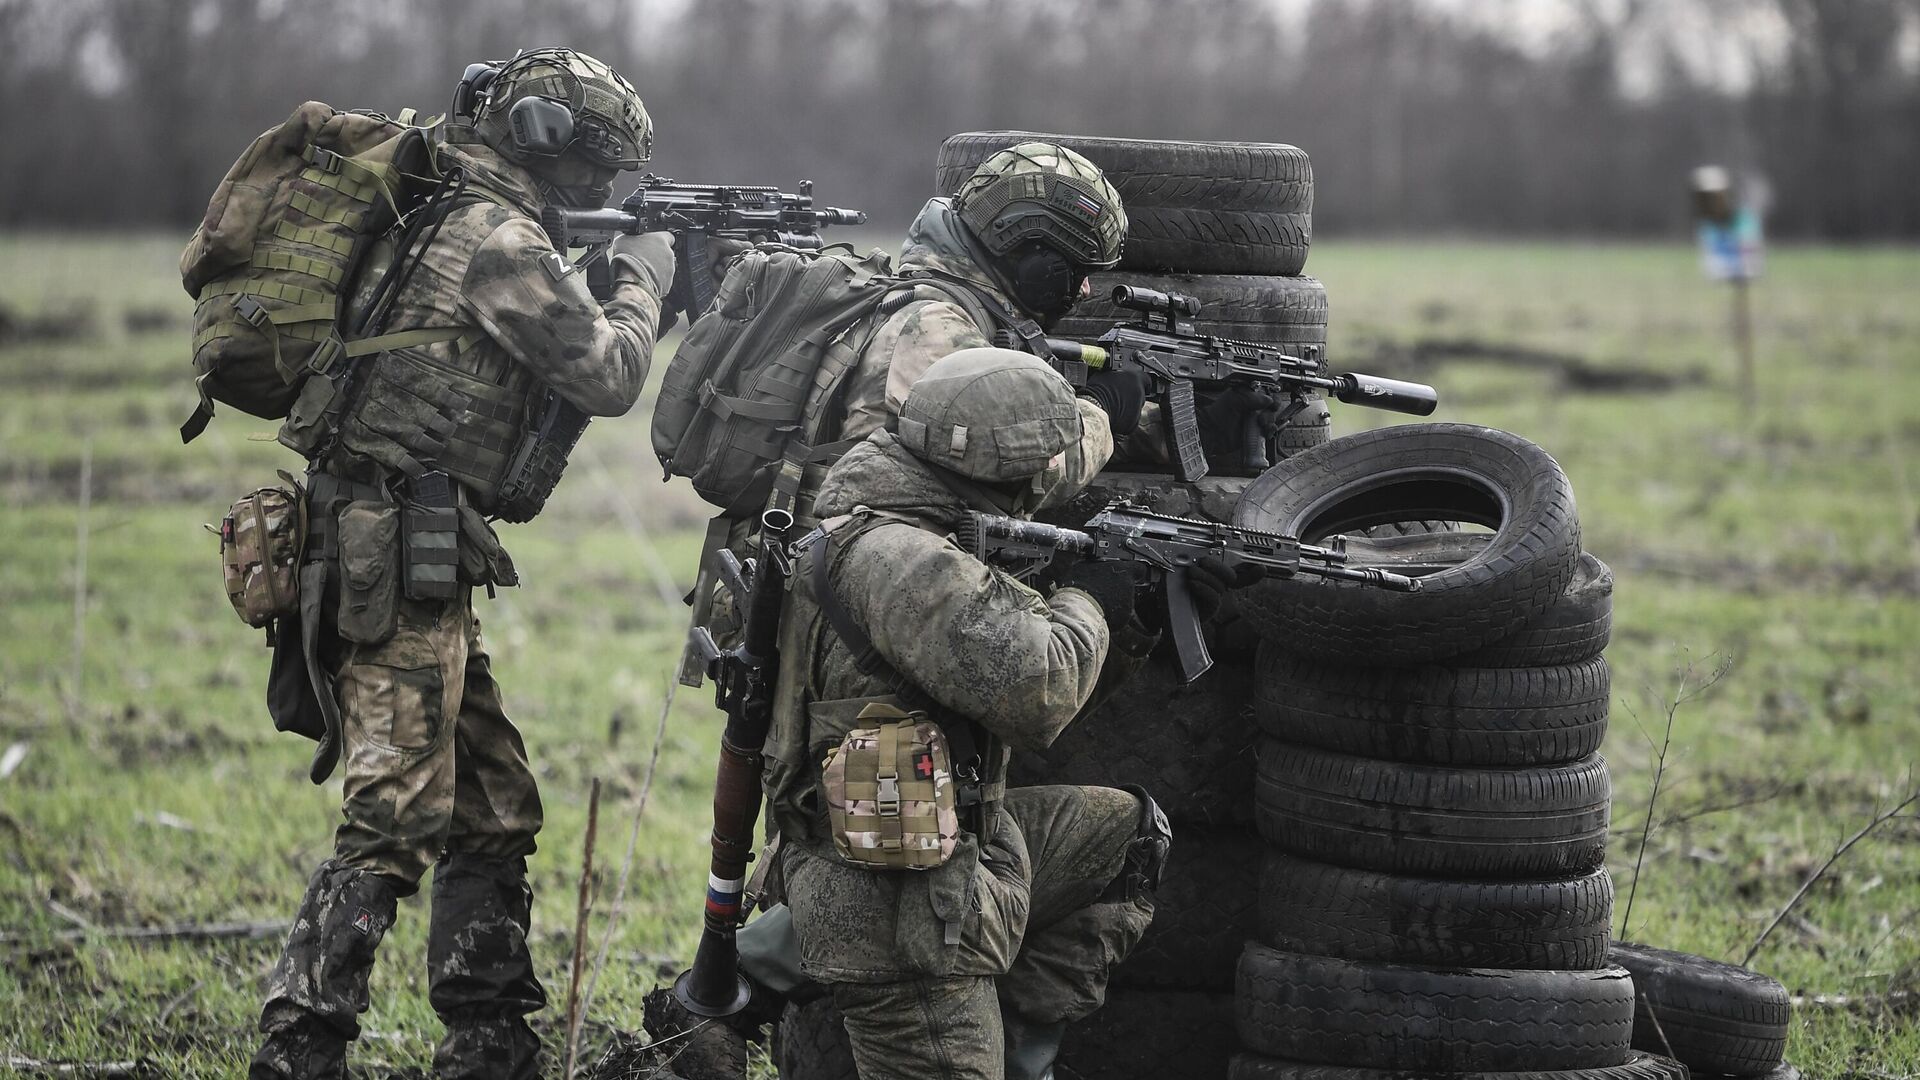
[279, 245]
[748, 388]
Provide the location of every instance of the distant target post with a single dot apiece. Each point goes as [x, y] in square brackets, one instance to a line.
[1732, 249]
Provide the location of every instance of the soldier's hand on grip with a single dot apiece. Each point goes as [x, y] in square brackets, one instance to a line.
[1112, 585]
[1120, 394]
[649, 256]
[1211, 579]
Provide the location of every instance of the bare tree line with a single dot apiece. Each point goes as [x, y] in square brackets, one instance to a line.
[126, 112]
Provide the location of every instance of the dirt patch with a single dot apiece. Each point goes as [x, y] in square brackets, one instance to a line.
[1570, 371]
[73, 322]
[1762, 579]
[43, 483]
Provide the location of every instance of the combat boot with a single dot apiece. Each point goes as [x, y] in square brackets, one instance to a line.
[479, 972]
[1031, 1046]
[318, 988]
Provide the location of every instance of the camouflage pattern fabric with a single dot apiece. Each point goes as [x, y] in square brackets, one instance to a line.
[431, 761]
[318, 988]
[911, 337]
[460, 404]
[890, 795]
[479, 972]
[921, 963]
[1039, 191]
[1055, 851]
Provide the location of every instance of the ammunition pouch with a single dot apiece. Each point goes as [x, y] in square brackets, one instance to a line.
[369, 608]
[431, 538]
[540, 457]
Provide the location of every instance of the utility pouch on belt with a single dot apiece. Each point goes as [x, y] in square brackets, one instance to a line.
[369, 572]
[890, 794]
[432, 538]
[261, 539]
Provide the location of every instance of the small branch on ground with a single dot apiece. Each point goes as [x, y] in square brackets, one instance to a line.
[189, 932]
[32, 1067]
[1688, 690]
[585, 905]
[1879, 819]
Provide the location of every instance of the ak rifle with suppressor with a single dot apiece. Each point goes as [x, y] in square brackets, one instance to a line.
[743, 680]
[1179, 361]
[696, 214]
[1165, 546]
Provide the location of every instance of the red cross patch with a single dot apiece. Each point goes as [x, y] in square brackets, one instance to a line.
[923, 764]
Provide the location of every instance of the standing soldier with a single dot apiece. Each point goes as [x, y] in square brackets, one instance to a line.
[962, 934]
[404, 473]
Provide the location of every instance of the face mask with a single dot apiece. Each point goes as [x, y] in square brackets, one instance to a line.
[573, 182]
[1044, 283]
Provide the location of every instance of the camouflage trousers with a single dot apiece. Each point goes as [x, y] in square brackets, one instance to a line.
[1043, 899]
[431, 761]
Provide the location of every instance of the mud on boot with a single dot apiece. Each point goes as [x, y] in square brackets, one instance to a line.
[318, 987]
[703, 1048]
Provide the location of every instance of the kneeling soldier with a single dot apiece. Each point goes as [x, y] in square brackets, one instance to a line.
[960, 926]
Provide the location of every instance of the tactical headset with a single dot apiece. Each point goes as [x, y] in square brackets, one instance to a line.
[538, 126]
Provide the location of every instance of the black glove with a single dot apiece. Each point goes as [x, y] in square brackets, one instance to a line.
[1212, 578]
[1120, 394]
[1111, 584]
[1223, 418]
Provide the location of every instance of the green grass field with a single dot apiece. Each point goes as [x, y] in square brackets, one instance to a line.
[153, 792]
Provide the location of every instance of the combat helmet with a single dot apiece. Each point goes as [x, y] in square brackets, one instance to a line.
[995, 416]
[568, 118]
[1040, 191]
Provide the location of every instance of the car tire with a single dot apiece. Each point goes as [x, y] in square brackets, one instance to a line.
[1324, 910]
[1433, 821]
[1715, 1017]
[1452, 1020]
[1415, 472]
[1193, 207]
[1433, 714]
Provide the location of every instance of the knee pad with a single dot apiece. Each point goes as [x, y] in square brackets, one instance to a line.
[1146, 856]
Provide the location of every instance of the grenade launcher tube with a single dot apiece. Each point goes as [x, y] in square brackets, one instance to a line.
[744, 685]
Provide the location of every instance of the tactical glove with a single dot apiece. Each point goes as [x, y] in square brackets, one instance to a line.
[721, 253]
[1120, 394]
[1225, 415]
[1111, 584]
[649, 256]
[1211, 579]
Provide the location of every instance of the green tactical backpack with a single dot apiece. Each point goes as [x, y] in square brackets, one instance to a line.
[744, 394]
[278, 247]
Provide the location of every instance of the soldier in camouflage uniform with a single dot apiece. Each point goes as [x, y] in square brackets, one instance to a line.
[1011, 249]
[435, 774]
[972, 969]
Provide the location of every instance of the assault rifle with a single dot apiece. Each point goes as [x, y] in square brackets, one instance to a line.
[1164, 345]
[743, 680]
[695, 214]
[1164, 546]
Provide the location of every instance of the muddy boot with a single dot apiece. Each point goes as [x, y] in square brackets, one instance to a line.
[479, 973]
[716, 1049]
[318, 988]
[1031, 1046]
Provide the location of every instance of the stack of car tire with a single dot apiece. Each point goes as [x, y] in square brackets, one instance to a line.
[1230, 224]
[1390, 815]
[1433, 897]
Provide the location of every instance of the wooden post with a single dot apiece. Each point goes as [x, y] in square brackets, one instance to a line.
[585, 905]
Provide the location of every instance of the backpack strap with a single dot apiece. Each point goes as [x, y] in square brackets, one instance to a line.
[975, 750]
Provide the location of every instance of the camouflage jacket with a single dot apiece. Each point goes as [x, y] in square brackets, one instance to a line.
[924, 325]
[459, 405]
[977, 642]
